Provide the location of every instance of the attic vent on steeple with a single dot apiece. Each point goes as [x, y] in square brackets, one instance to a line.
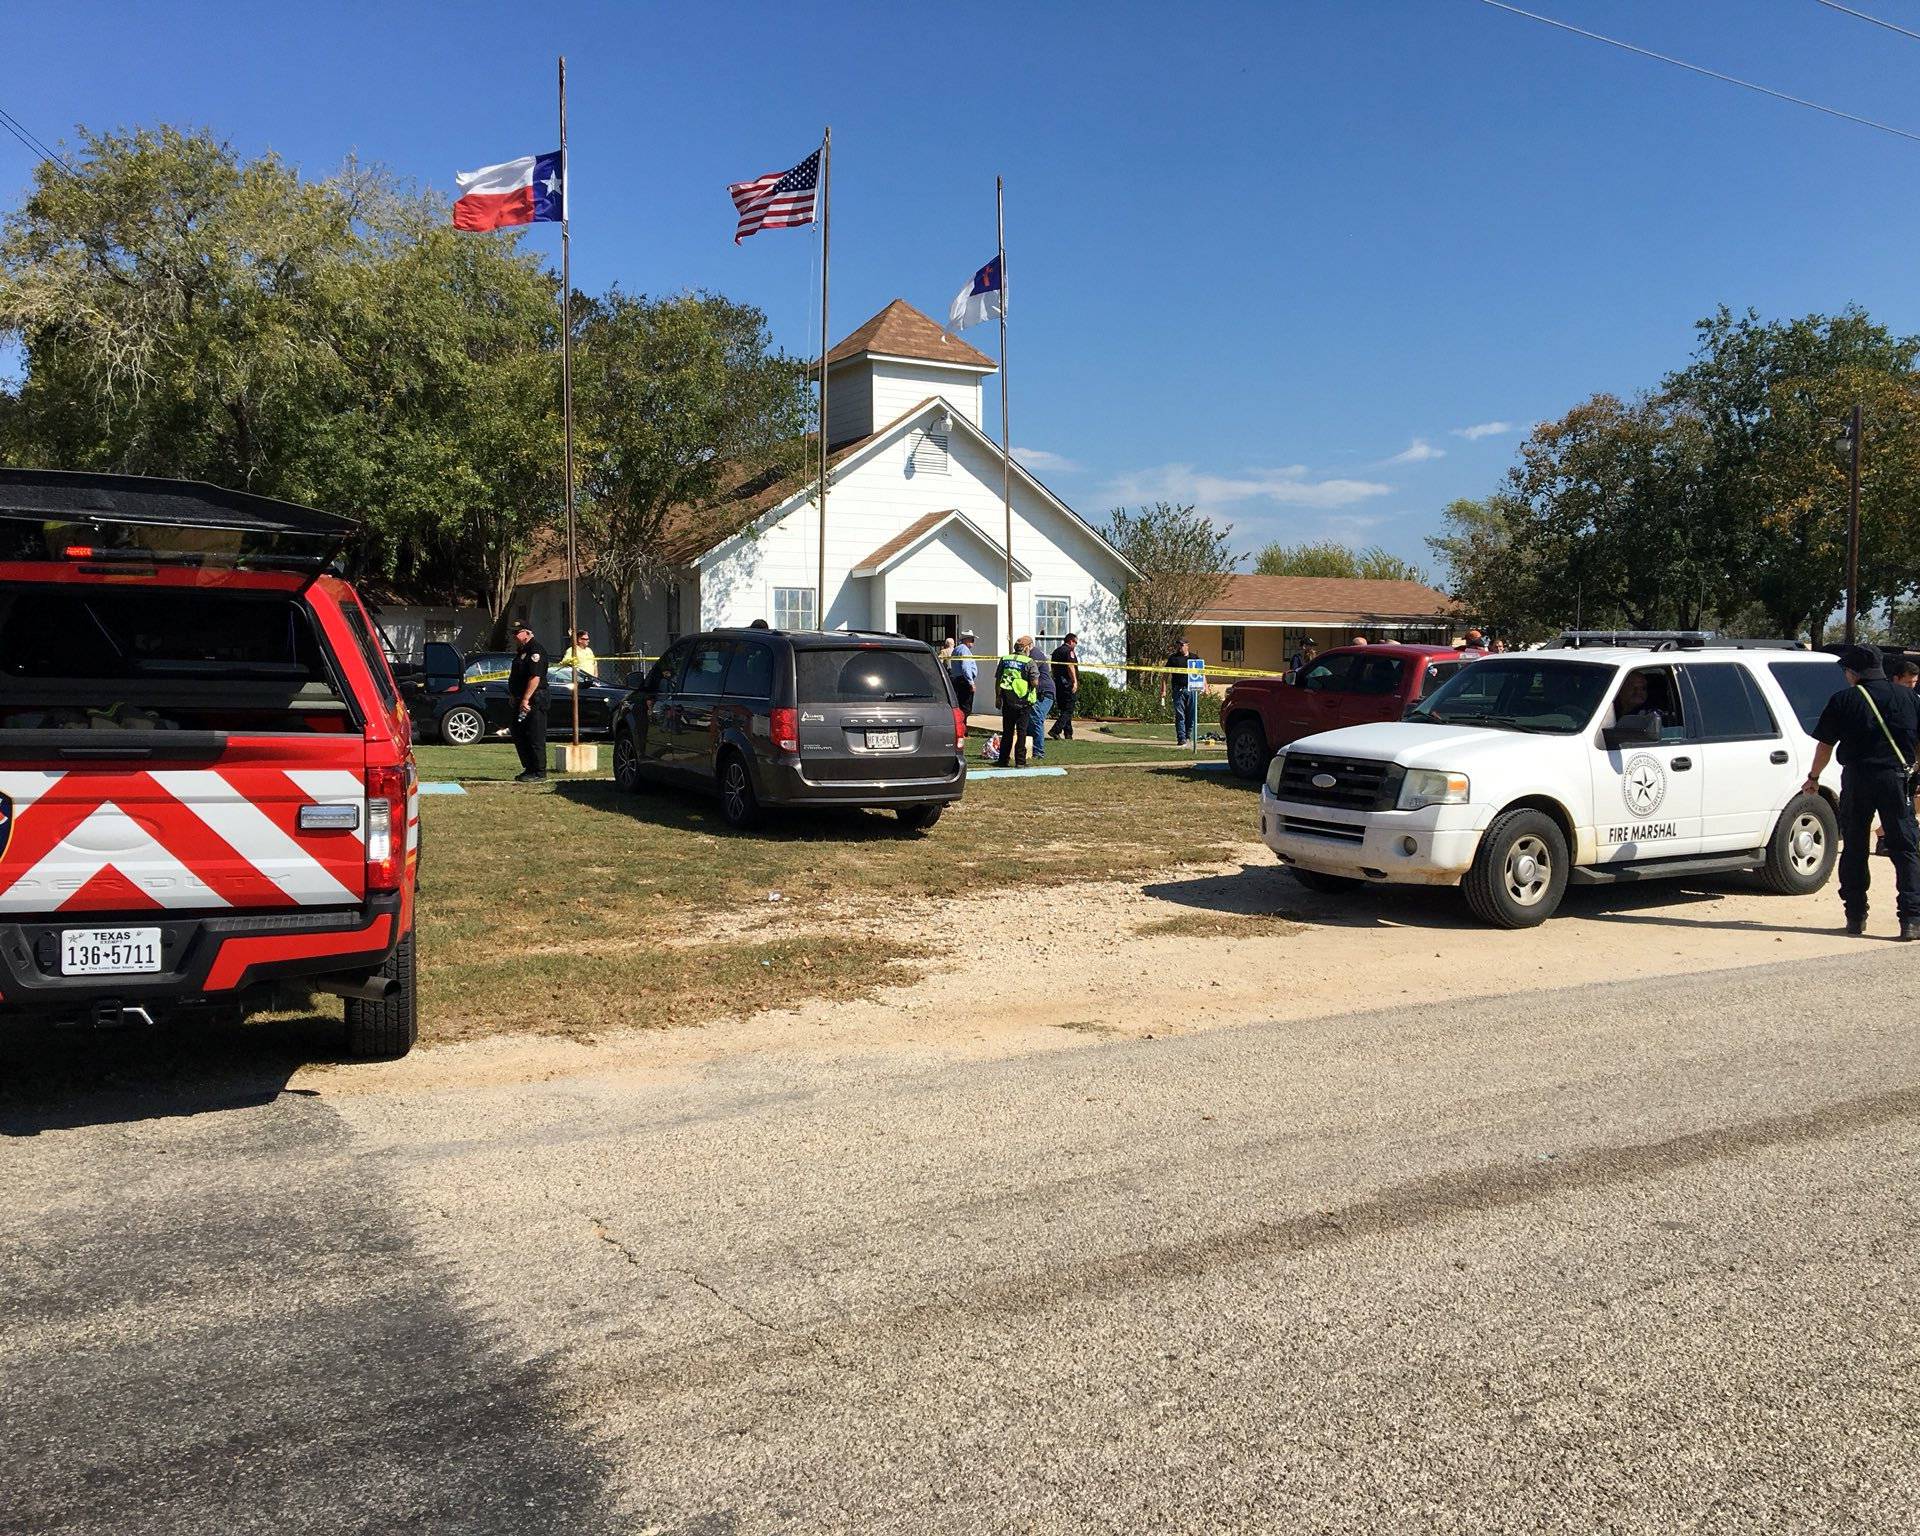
[927, 452]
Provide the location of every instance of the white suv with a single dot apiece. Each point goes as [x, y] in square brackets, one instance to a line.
[1525, 771]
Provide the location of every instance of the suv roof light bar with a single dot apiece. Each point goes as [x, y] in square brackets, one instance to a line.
[1668, 640]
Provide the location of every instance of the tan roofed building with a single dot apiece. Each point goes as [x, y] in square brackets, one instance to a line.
[1259, 621]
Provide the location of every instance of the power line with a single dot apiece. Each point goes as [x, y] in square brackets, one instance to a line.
[1832, 5]
[33, 143]
[1711, 74]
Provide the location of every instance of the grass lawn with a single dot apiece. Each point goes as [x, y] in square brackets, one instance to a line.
[1147, 730]
[568, 907]
[489, 762]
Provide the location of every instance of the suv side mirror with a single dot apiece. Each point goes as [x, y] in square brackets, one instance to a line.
[635, 680]
[1642, 730]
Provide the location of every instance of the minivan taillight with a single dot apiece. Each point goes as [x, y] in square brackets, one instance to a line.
[783, 725]
[960, 728]
[386, 828]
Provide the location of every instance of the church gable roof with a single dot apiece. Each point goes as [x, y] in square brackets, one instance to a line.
[900, 330]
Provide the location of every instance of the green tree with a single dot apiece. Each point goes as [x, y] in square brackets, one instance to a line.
[1773, 398]
[449, 441]
[170, 301]
[1485, 573]
[1610, 514]
[1184, 561]
[677, 402]
[185, 313]
[1324, 559]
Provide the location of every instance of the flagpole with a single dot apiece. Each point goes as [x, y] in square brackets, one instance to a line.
[1006, 453]
[826, 241]
[566, 388]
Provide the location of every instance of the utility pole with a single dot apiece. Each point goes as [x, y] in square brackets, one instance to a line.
[1853, 532]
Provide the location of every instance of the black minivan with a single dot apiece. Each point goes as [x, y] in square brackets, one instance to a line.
[772, 718]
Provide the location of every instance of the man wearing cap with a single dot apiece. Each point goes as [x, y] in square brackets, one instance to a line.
[1875, 725]
[527, 691]
[965, 672]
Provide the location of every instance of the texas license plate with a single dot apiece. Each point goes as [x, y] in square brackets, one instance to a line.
[109, 951]
[883, 741]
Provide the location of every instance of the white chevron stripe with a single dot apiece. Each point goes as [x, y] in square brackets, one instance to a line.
[334, 786]
[69, 865]
[25, 788]
[254, 836]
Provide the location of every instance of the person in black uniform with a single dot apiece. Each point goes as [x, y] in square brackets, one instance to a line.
[527, 689]
[1876, 725]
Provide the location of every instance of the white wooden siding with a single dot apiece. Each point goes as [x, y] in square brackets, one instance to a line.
[873, 502]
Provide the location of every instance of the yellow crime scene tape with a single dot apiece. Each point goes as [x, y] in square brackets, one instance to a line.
[986, 658]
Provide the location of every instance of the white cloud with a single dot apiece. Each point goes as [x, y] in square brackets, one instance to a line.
[1286, 487]
[1040, 460]
[1416, 452]
[1474, 433]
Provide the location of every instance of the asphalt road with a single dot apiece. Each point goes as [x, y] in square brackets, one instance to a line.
[1636, 1257]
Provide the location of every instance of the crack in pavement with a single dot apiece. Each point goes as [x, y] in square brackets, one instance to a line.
[812, 1340]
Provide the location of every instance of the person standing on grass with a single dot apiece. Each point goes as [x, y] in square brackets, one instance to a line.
[1186, 701]
[964, 671]
[1043, 697]
[1066, 686]
[527, 691]
[1014, 690]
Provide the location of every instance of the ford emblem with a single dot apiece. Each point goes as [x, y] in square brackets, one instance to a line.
[1324, 781]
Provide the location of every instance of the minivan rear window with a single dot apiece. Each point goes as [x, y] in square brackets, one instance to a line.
[867, 675]
[1808, 685]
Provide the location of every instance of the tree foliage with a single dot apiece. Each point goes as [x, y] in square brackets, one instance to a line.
[1717, 500]
[185, 312]
[1330, 558]
[677, 400]
[1184, 561]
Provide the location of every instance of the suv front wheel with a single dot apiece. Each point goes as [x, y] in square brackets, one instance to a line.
[1520, 872]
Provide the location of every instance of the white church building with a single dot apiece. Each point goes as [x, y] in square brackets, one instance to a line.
[916, 524]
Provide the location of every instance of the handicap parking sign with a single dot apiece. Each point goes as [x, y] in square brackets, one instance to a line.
[1196, 674]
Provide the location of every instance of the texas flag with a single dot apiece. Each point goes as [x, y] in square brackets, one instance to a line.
[530, 190]
[981, 299]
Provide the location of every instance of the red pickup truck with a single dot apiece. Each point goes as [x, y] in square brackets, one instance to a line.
[1354, 685]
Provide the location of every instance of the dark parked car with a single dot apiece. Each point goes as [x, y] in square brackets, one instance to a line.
[460, 700]
[770, 718]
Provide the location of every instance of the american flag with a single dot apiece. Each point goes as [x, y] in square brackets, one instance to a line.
[777, 200]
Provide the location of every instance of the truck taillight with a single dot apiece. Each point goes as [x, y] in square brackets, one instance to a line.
[386, 828]
[783, 725]
[960, 729]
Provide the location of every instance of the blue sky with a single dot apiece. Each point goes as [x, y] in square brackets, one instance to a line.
[1313, 264]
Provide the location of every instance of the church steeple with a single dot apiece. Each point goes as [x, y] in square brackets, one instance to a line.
[892, 363]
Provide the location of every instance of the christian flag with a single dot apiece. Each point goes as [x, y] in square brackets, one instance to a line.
[981, 299]
[530, 190]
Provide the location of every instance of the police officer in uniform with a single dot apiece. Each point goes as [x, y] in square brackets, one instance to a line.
[1875, 724]
[527, 691]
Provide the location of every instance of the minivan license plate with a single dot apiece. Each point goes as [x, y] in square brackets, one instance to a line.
[109, 951]
[883, 741]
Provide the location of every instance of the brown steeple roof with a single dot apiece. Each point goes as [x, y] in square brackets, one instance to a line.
[900, 330]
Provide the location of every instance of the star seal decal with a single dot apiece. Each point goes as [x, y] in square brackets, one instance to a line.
[1643, 785]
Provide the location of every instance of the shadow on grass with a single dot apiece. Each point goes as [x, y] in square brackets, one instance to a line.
[1268, 890]
[692, 810]
[55, 1077]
